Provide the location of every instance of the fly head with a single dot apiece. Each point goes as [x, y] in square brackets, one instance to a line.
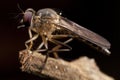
[27, 17]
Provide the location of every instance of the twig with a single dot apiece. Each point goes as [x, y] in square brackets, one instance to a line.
[58, 69]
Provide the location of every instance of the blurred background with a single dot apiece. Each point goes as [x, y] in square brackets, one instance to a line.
[100, 16]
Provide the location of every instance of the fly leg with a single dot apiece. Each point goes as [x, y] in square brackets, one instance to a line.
[55, 49]
[32, 38]
[44, 43]
[59, 45]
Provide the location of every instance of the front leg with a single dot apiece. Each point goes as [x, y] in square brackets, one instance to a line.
[32, 38]
[44, 43]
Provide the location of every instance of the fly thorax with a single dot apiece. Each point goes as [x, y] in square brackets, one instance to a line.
[48, 27]
[36, 21]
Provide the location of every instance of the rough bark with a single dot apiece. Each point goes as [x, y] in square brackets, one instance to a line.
[58, 69]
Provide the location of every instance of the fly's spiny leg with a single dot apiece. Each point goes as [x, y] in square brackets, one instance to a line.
[39, 48]
[61, 43]
[31, 42]
[32, 38]
[55, 49]
[44, 43]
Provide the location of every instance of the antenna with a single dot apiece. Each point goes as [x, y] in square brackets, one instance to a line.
[20, 8]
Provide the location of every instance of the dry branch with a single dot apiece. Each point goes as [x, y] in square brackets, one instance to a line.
[58, 69]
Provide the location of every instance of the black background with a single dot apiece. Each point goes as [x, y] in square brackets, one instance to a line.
[100, 16]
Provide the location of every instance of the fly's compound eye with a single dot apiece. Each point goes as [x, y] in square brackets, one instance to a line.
[27, 16]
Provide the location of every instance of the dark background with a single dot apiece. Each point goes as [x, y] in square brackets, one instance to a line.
[100, 16]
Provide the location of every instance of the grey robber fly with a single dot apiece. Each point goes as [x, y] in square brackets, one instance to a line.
[50, 26]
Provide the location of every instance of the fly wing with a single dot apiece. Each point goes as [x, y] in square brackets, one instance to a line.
[84, 33]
